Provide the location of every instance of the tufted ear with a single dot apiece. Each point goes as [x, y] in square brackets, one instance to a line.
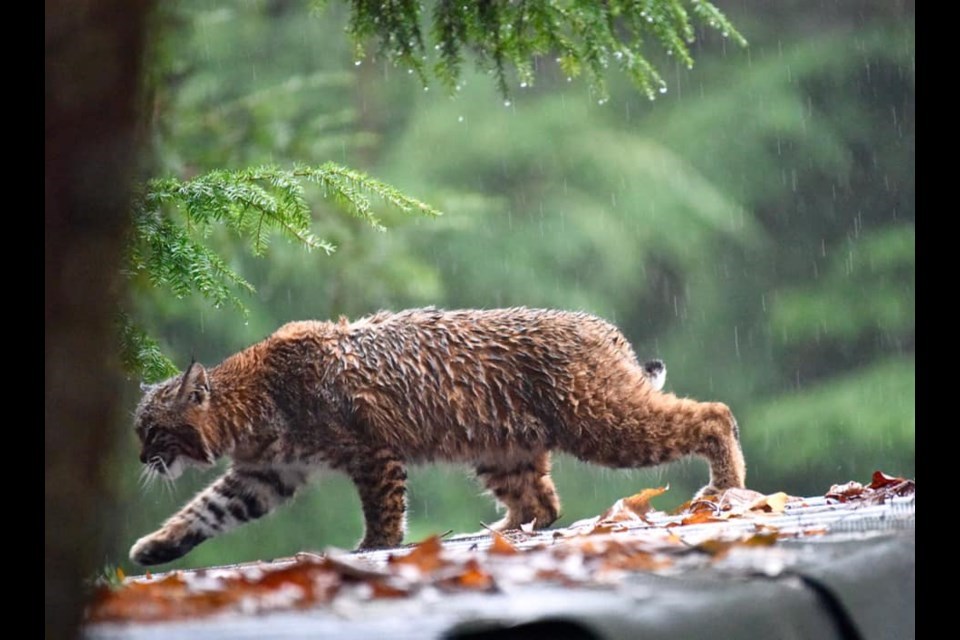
[195, 386]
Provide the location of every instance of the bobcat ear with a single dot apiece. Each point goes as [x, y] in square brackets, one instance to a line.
[195, 386]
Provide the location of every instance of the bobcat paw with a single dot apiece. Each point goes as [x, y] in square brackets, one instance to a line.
[158, 548]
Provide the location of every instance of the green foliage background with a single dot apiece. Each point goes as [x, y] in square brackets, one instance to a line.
[753, 226]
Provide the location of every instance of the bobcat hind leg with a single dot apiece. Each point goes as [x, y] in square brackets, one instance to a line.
[525, 487]
[720, 445]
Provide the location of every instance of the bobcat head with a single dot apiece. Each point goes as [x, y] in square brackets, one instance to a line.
[172, 421]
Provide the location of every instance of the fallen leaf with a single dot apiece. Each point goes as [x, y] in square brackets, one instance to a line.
[773, 503]
[738, 499]
[383, 589]
[844, 492]
[425, 556]
[700, 517]
[718, 548]
[880, 480]
[632, 508]
[603, 528]
[472, 577]
[639, 503]
[501, 546]
[881, 488]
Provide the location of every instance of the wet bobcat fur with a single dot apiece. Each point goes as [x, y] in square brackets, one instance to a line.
[497, 389]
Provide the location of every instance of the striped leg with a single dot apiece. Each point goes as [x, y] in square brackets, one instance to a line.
[240, 495]
[381, 481]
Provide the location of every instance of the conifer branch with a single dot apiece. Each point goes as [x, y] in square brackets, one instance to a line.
[584, 36]
[173, 218]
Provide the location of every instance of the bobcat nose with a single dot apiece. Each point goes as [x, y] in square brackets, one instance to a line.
[143, 457]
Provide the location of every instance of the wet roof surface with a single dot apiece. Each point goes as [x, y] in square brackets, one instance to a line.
[836, 571]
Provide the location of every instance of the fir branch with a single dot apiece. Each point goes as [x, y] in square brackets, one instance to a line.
[139, 353]
[582, 34]
[172, 219]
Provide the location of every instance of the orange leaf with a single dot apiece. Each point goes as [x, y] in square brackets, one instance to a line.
[474, 577]
[633, 508]
[703, 503]
[501, 546]
[700, 517]
[602, 528]
[761, 540]
[639, 503]
[425, 556]
[719, 548]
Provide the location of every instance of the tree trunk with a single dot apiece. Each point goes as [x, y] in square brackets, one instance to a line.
[92, 84]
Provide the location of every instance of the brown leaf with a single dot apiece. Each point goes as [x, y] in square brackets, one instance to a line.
[703, 503]
[845, 492]
[633, 508]
[700, 517]
[173, 597]
[881, 480]
[892, 485]
[881, 487]
[425, 556]
[629, 558]
[501, 546]
[603, 528]
[472, 577]
[639, 503]
[761, 539]
[383, 589]
[719, 548]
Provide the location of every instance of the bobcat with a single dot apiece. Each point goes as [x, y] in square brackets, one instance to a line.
[499, 389]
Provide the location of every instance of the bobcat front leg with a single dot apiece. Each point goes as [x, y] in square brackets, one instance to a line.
[240, 495]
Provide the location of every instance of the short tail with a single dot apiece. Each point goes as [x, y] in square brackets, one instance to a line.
[656, 373]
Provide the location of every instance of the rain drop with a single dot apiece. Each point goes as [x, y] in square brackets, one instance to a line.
[460, 119]
[507, 103]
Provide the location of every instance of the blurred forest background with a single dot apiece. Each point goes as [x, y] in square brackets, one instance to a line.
[753, 226]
